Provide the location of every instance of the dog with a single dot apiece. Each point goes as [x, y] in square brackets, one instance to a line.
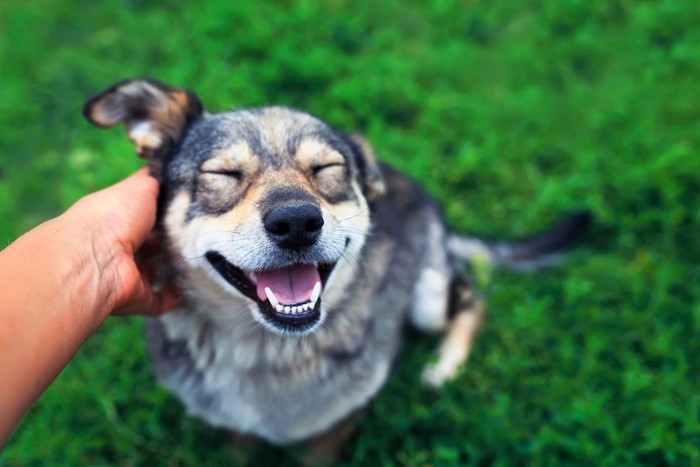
[301, 257]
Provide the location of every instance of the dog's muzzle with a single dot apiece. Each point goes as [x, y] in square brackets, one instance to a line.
[289, 290]
[289, 297]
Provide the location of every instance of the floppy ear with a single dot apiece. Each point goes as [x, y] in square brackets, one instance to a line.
[373, 179]
[155, 115]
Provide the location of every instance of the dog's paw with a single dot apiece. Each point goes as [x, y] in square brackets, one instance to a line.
[437, 374]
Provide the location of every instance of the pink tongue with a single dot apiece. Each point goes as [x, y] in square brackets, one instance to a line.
[290, 285]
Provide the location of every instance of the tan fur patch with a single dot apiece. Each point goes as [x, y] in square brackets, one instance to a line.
[227, 174]
[237, 157]
[456, 345]
[311, 152]
[326, 168]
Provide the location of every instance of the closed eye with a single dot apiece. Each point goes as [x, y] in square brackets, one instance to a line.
[320, 168]
[235, 174]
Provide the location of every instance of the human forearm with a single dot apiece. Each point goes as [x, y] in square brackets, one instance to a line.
[52, 299]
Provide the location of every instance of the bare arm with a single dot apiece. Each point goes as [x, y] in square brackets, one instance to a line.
[61, 280]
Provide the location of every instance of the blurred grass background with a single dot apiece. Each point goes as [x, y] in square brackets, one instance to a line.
[510, 113]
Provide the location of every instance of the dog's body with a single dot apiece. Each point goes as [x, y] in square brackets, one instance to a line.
[300, 257]
[235, 373]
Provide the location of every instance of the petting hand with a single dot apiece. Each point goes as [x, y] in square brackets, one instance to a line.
[124, 251]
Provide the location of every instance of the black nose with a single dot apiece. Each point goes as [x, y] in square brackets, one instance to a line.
[294, 227]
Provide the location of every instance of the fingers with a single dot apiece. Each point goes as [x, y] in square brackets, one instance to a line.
[146, 302]
[152, 294]
[159, 302]
[122, 214]
[139, 183]
[150, 260]
[128, 207]
[139, 192]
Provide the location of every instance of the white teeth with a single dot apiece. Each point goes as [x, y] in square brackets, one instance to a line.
[271, 297]
[294, 309]
[315, 293]
[253, 277]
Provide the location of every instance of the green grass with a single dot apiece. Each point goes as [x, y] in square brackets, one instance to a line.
[510, 113]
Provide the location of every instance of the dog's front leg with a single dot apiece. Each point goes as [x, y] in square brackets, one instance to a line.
[467, 313]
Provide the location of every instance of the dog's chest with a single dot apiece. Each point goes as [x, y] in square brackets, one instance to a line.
[283, 389]
[234, 374]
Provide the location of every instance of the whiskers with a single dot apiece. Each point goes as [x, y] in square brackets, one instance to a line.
[223, 241]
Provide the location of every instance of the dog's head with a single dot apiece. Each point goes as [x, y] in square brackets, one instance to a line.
[267, 204]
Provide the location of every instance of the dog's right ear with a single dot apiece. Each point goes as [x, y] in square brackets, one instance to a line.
[155, 115]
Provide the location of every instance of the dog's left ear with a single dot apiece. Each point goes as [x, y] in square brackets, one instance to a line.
[155, 115]
[369, 166]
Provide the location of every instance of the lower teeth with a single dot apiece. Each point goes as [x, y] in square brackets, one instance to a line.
[293, 310]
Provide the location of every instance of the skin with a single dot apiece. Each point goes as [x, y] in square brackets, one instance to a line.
[62, 279]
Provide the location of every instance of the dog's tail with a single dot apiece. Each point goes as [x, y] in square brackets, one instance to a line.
[542, 250]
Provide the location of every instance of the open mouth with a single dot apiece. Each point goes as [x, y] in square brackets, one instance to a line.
[289, 297]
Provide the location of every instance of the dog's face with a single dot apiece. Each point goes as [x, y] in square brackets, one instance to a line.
[268, 204]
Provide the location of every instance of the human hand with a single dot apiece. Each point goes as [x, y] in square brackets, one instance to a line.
[124, 251]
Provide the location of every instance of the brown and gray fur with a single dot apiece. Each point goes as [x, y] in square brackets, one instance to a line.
[393, 262]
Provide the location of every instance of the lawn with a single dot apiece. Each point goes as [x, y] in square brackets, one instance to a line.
[510, 113]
